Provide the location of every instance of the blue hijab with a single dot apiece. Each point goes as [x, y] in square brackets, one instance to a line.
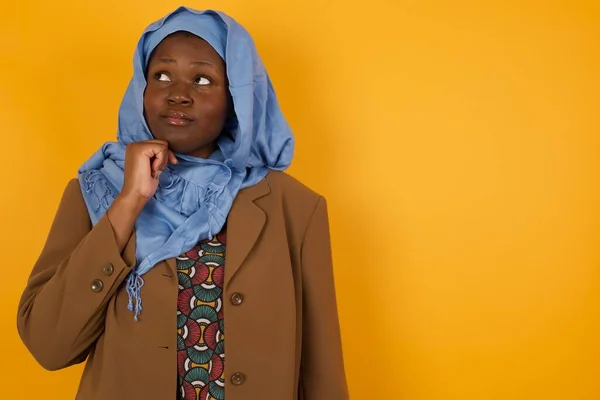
[194, 196]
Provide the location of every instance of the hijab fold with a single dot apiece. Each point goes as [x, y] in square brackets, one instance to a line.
[194, 196]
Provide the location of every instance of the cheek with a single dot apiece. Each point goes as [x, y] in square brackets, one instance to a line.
[151, 104]
[216, 108]
[147, 108]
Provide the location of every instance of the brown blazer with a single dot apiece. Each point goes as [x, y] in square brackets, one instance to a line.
[282, 342]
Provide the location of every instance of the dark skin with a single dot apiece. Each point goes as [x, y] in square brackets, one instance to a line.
[186, 80]
[186, 105]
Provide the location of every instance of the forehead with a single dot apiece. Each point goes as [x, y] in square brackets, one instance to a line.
[184, 44]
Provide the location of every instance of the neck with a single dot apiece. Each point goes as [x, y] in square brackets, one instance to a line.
[204, 151]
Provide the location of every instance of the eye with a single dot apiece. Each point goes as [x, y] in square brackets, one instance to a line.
[201, 80]
[161, 76]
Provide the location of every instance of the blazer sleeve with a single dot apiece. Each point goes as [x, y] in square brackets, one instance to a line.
[62, 309]
[322, 367]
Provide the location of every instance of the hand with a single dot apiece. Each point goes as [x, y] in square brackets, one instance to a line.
[144, 162]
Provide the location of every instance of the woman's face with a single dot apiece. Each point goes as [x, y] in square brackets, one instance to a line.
[186, 97]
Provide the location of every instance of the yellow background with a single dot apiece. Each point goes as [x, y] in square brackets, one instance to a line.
[456, 142]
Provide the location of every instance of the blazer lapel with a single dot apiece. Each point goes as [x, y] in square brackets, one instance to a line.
[244, 224]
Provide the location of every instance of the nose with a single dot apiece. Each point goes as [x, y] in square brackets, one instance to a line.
[179, 94]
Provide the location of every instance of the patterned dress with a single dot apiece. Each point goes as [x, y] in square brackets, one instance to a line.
[200, 330]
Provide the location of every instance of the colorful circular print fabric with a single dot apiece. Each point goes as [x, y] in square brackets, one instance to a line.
[200, 329]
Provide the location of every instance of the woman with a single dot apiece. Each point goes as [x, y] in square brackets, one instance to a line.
[184, 242]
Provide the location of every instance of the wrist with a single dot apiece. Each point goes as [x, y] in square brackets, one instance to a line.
[122, 215]
[130, 202]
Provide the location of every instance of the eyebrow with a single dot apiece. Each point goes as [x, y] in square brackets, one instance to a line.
[198, 63]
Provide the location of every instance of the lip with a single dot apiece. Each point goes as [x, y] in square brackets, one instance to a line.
[177, 118]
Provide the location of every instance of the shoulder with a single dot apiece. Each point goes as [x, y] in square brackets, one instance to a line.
[298, 209]
[296, 202]
[72, 195]
[73, 187]
[71, 219]
[289, 188]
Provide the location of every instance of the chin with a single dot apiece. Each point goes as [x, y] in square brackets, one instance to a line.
[202, 150]
[185, 143]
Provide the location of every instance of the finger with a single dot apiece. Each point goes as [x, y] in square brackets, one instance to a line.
[155, 168]
[153, 149]
[157, 141]
[158, 162]
[163, 153]
[172, 158]
[157, 151]
[164, 157]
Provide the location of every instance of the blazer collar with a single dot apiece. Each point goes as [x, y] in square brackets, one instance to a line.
[244, 224]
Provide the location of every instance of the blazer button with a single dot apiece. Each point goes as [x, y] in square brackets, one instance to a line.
[237, 299]
[97, 285]
[237, 379]
[108, 269]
